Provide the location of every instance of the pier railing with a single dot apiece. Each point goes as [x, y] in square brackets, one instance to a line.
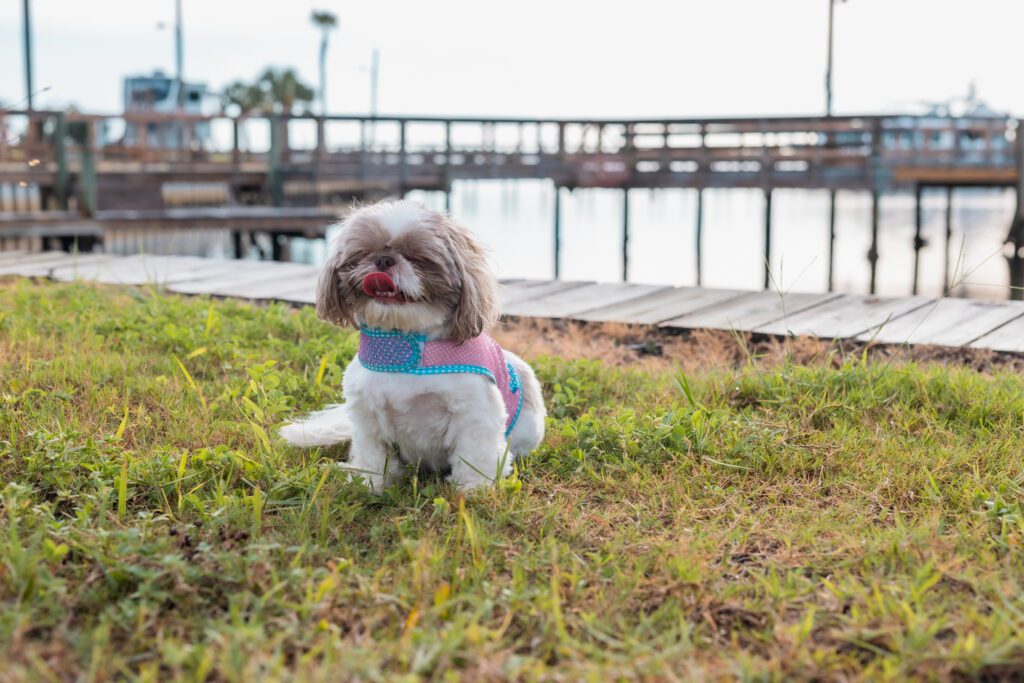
[849, 152]
[148, 161]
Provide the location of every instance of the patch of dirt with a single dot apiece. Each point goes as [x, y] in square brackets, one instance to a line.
[654, 348]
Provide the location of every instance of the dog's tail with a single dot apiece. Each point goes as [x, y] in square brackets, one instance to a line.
[323, 428]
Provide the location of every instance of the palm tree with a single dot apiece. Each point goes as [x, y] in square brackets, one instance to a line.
[275, 91]
[326, 22]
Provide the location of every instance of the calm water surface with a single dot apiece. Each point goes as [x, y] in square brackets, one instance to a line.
[514, 220]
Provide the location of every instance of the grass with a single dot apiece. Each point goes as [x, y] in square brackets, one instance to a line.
[841, 519]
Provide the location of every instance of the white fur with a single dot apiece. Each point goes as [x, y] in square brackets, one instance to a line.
[454, 421]
[447, 421]
[323, 428]
[398, 217]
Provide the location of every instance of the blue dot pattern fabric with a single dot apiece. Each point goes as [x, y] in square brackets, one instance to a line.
[412, 354]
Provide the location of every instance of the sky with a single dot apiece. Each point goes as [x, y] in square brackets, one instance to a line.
[544, 58]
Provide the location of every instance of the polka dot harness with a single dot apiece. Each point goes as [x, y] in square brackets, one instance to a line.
[412, 354]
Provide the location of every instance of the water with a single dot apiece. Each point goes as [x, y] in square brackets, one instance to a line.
[514, 220]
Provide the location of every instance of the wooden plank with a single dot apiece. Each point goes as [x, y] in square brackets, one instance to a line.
[1009, 337]
[570, 302]
[844, 317]
[750, 311]
[661, 306]
[275, 287]
[239, 273]
[11, 255]
[300, 296]
[29, 261]
[948, 322]
[44, 266]
[533, 289]
[142, 269]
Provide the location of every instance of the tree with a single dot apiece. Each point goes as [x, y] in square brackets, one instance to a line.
[326, 22]
[275, 91]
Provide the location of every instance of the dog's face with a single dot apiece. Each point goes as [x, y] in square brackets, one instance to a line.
[400, 266]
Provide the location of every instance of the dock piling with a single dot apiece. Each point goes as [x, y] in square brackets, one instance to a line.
[919, 241]
[767, 238]
[873, 250]
[1016, 237]
[949, 234]
[625, 234]
[558, 232]
[700, 235]
[831, 239]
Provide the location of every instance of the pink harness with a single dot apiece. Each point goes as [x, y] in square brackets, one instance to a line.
[412, 354]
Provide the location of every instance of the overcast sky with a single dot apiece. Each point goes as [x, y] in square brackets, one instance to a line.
[540, 57]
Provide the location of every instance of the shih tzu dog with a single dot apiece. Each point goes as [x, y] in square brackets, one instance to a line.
[428, 385]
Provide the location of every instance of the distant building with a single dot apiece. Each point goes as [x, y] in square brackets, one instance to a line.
[159, 93]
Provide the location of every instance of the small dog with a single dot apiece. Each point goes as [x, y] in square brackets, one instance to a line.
[427, 378]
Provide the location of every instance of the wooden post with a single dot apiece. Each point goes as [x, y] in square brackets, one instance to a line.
[767, 238]
[275, 179]
[665, 162]
[558, 231]
[949, 234]
[625, 234]
[402, 161]
[918, 240]
[318, 169]
[874, 172]
[448, 166]
[873, 250]
[321, 143]
[700, 235]
[831, 239]
[363, 137]
[60, 134]
[277, 246]
[236, 149]
[1016, 236]
[87, 175]
[188, 135]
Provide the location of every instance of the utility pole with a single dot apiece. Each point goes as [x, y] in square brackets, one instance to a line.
[374, 80]
[374, 76]
[27, 24]
[178, 55]
[828, 67]
[326, 22]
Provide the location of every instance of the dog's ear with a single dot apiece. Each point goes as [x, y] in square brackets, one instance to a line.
[477, 307]
[330, 304]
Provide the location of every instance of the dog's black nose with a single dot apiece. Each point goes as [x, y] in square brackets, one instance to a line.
[384, 262]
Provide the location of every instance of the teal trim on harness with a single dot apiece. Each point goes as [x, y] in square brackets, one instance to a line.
[514, 385]
[410, 365]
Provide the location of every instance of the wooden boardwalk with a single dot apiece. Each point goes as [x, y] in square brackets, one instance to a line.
[995, 325]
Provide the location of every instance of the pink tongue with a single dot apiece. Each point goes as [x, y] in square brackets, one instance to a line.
[379, 284]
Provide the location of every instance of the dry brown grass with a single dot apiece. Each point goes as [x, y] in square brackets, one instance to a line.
[652, 348]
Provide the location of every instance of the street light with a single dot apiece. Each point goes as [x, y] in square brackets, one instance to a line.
[178, 56]
[828, 68]
[27, 25]
[326, 22]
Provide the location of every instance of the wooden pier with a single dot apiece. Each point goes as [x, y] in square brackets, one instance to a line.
[995, 325]
[97, 164]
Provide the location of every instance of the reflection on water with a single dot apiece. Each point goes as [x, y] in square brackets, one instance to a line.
[514, 219]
